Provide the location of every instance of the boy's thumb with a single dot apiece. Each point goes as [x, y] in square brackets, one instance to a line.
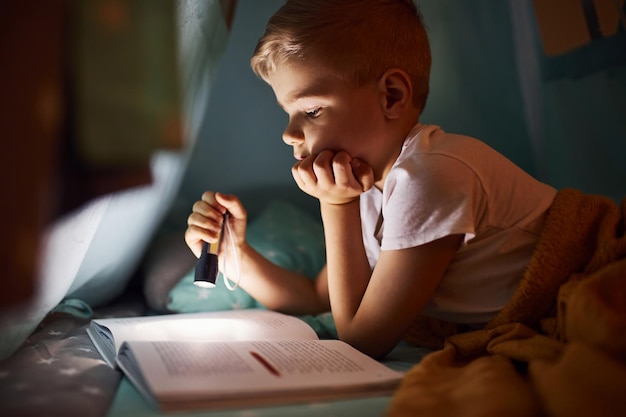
[232, 204]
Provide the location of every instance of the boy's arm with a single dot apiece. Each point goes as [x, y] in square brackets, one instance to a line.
[373, 310]
[280, 289]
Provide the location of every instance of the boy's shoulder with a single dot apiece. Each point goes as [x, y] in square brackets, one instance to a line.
[433, 139]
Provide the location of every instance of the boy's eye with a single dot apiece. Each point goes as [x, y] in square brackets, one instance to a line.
[312, 114]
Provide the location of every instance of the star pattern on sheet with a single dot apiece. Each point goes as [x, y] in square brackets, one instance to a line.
[90, 389]
[57, 372]
[68, 371]
[46, 361]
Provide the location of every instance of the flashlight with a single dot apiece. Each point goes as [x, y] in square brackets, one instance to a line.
[207, 266]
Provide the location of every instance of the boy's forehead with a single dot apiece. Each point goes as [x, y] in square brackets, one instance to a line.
[297, 81]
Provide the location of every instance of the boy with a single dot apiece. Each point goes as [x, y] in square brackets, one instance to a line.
[416, 221]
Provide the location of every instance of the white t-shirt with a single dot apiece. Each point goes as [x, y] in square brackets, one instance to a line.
[443, 184]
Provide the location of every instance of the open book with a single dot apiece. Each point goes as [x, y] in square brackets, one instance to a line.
[254, 324]
[236, 359]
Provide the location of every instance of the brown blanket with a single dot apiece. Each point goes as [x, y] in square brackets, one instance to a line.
[558, 348]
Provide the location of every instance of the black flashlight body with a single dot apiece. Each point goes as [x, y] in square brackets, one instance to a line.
[206, 268]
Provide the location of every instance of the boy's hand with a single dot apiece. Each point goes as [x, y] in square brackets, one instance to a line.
[205, 222]
[333, 177]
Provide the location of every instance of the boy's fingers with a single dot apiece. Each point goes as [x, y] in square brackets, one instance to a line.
[209, 197]
[194, 236]
[203, 208]
[363, 173]
[211, 224]
[323, 168]
[232, 204]
[342, 171]
[302, 172]
[296, 177]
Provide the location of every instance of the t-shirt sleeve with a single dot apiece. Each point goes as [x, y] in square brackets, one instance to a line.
[430, 198]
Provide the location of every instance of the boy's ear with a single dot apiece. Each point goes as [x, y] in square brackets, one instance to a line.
[396, 92]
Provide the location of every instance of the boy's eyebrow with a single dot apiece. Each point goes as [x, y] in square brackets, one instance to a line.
[301, 94]
[291, 98]
[295, 96]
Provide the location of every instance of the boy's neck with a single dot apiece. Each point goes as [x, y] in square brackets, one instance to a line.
[402, 128]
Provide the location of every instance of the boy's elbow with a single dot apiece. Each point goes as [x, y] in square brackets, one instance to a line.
[376, 349]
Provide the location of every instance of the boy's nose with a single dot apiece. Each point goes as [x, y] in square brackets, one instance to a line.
[293, 136]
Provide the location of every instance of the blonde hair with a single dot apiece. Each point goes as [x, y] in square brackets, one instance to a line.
[357, 40]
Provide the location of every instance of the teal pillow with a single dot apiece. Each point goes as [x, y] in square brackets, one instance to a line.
[284, 234]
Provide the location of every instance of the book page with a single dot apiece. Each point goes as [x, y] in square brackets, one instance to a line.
[205, 370]
[251, 324]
